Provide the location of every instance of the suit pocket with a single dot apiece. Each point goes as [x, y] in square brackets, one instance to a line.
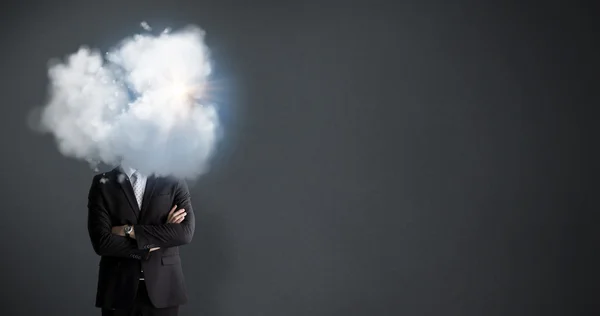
[170, 260]
[162, 197]
[163, 192]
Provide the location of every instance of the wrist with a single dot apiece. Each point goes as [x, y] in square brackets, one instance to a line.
[127, 230]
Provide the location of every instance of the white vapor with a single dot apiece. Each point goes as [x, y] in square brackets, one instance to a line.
[138, 104]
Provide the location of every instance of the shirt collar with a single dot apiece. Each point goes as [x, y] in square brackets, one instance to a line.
[128, 171]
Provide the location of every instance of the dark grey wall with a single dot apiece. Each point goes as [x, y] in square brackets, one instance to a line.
[401, 158]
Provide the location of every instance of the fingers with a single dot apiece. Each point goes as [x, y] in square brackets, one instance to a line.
[177, 217]
[174, 215]
[171, 215]
[179, 212]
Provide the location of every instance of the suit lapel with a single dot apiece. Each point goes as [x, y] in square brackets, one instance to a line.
[150, 183]
[125, 185]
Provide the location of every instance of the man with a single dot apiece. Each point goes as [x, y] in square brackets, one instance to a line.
[136, 224]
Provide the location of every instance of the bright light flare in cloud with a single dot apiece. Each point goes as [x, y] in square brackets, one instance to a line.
[139, 103]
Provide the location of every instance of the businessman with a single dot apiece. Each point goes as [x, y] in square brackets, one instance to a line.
[136, 224]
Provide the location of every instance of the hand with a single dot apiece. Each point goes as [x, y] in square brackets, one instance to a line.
[119, 230]
[176, 217]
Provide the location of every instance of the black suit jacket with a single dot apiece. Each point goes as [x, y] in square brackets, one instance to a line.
[111, 202]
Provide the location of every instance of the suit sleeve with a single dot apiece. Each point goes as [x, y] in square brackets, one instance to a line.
[99, 227]
[169, 235]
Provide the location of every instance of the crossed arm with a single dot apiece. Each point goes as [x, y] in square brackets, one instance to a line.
[175, 216]
[108, 241]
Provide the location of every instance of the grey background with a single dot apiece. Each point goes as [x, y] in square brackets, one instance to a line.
[397, 158]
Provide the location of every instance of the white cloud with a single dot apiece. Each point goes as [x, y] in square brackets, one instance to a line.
[138, 102]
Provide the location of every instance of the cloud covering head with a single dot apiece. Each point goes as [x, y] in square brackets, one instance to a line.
[138, 104]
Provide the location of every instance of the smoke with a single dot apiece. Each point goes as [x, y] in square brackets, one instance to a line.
[139, 104]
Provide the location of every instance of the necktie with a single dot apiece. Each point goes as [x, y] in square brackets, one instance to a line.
[137, 188]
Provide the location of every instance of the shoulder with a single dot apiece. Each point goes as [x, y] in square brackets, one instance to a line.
[170, 180]
[99, 177]
[104, 177]
[99, 183]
